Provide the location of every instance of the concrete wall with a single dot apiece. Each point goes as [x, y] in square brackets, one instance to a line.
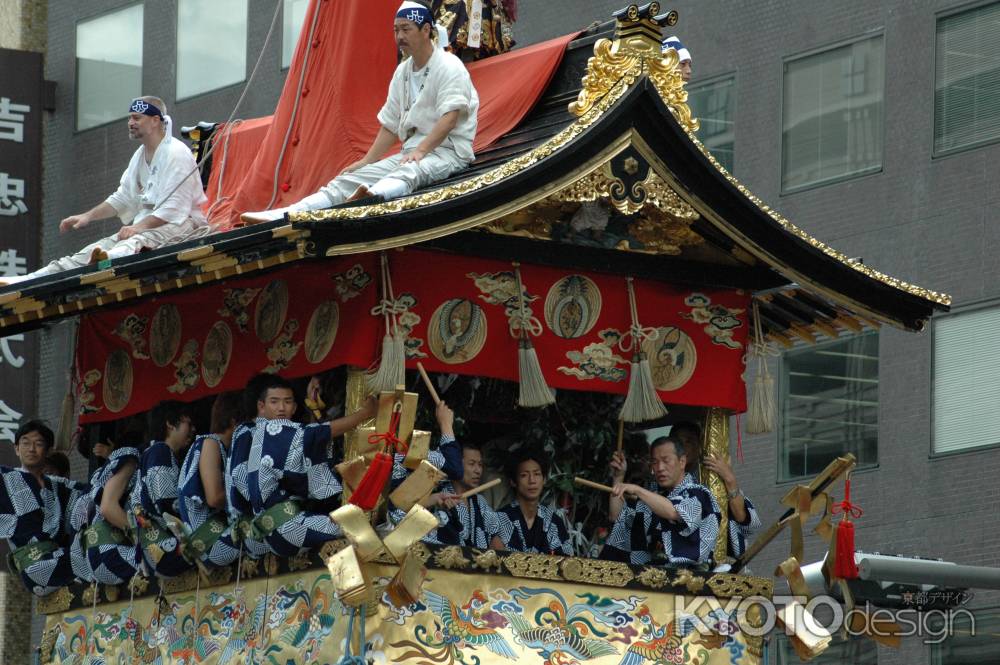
[925, 220]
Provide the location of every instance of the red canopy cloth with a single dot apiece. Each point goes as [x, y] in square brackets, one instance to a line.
[330, 121]
[456, 313]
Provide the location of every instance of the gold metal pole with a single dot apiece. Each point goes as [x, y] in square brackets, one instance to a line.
[715, 441]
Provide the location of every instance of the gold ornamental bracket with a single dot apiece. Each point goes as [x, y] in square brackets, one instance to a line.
[635, 53]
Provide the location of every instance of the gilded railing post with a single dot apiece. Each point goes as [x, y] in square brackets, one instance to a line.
[354, 396]
[715, 441]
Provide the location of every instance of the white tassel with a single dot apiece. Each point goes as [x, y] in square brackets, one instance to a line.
[534, 391]
[761, 408]
[391, 370]
[642, 403]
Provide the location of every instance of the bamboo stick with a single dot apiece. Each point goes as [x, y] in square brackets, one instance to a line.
[482, 488]
[621, 433]
[427, 382]
[583, 482]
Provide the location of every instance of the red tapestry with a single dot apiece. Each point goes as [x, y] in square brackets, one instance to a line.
[456, 312]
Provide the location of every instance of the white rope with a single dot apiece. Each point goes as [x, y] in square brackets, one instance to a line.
[634, 337]
[522, 322]
[219, 198]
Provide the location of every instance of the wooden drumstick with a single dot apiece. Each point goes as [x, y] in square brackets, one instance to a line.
[482, 488]
[592, 485]
[427, 382]
[621, 433]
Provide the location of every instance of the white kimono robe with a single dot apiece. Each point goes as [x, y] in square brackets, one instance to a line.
[416, 101]
[142, 192]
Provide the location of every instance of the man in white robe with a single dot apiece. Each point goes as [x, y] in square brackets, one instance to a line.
[158, 201]
[431, 107]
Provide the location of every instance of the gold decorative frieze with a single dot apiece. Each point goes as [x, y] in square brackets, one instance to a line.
[596, 571]
[533, 566]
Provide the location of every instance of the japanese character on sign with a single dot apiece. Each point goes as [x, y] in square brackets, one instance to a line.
[11, 193]
[7, 355]
[10, 420]
[11, 264]
[12, 120]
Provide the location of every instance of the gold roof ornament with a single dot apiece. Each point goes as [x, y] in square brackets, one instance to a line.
[636, 52]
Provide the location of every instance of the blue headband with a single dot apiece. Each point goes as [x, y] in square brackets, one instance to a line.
[417, 14]
[145, 108]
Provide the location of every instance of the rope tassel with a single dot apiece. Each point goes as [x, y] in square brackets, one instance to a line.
[368, 491]
[761, 408]
[642, 402]
[534, 392]
[391, 370]
[844, 567]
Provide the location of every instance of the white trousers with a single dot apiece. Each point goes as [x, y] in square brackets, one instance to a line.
[152, 239]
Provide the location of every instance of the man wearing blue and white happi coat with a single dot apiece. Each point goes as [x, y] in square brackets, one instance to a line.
[34, 513]
[282, 477]
[681, 515]
[526, 524]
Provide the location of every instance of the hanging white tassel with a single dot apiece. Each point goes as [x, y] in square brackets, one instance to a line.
[642, 402]
[761, 408]
[391, 370]
[534, 392]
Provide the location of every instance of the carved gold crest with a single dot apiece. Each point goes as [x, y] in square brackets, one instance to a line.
[271, 310]
[216, 353]
[117, 380]
[165, 335]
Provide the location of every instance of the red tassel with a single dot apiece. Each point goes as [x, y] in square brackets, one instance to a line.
[368, 491]
[845, 567]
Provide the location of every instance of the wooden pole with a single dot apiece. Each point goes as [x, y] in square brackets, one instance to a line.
[482, 488]
[583, 482]
[621, 433]
[427, 382]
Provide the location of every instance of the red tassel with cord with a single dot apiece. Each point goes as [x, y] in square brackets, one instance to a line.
[368, 491]
[845, 567]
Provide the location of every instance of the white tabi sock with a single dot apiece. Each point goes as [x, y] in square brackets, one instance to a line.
[390, 188]
[315, 201]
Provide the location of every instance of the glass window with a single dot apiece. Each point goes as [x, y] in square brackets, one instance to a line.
[971, 640]
[714, 105]
[829, 405]
[108, 66]
[966, 381]
[851, 651]
[293, 17]
[967, 79]
[211, 45]
[832, 114]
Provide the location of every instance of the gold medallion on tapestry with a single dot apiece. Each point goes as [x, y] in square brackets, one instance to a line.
[457, 331]
[165, 335]
[271, 309]
[572, 306]
[672, 358]
[117, 380]
[322, 330]
[216, 353]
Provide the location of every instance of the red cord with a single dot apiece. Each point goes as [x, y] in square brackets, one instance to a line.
[390, 439]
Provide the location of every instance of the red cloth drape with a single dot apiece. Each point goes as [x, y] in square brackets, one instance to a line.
[351, 57]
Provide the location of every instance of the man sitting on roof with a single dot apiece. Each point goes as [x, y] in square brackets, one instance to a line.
[158, 200]
[431, 108]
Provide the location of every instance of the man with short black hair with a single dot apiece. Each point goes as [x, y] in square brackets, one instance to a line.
[158, 200]
[527, 525]
[681, 515]
[431, 108]
[282, 483]
[467, 522]
[35, 511]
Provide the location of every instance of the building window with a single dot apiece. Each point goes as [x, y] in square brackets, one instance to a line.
[714, 105]
[832, 114]
[971, 638]
[851, 651]
[967, 79]
[966, 381]
[829, 405]
[293, 18]
[211, 45]
[108, 66]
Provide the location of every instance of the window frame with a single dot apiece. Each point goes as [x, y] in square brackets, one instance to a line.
[830, 46]
[781, 639]
[972, 610]
[281, 56]
[968, 308]
[76, 64]
[782, 386]
[712, 80]
[938, 17]
[177, 54]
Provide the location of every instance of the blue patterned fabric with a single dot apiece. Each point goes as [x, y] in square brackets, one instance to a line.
[741, 532]
[547, 535]
[112, 564]
[691, 540]
[31, 513]
[194, 511]
[273, 461]
[469, 524]
[155, 494]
